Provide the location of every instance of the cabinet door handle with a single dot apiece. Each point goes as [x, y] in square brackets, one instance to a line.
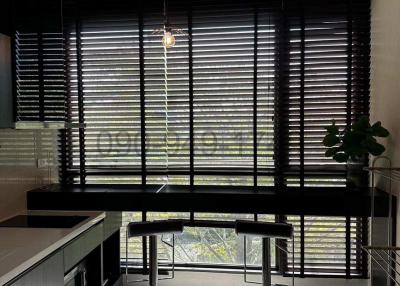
[83, 277]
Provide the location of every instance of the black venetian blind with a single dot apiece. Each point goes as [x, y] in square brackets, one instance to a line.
[104, 87]
[39, 61]
[324, 76]
[234, 66]
[242, 99]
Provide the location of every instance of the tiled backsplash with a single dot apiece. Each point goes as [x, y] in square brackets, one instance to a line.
[28, 159]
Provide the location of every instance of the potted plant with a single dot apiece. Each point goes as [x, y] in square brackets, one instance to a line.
[353, 145]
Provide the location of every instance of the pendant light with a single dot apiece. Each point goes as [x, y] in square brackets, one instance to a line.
[168, 39]
[168, 32]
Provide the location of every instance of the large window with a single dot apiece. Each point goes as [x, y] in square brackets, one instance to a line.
[241, 100]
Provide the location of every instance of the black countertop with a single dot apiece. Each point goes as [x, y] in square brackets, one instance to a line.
[290, 201]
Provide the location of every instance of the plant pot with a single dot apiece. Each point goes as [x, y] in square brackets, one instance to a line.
[356, 176]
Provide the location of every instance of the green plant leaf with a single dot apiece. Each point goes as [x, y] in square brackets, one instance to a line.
[359, 152]
[341, 157]
[332, 129]
[355, 142]
[379, 131]
[376, 149]
[331, 140]
[353, 139]
[331, 151]
[362, 124]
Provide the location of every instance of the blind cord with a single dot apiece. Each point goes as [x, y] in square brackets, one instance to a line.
[166, 110]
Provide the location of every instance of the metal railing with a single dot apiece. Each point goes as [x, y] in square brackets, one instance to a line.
[384, 256]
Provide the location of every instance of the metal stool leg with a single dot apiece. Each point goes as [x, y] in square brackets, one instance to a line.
[245, 263]
[127, 281]
[126, 257]
[266, 262]
[153, 261]
[172, 245]
[153, 275]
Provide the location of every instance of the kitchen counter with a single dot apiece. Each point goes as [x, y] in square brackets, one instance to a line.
[22, 248]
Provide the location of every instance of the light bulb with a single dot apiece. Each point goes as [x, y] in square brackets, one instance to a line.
[168, 40]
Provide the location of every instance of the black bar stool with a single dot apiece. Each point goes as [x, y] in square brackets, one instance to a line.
[152, 229]
[266, 231]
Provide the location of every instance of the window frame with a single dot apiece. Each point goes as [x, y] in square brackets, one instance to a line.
[281, 169]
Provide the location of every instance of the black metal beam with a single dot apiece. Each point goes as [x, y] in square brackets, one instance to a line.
[349, 64]
[255, 97]
[302, 246]
[81, 107]
[349, 117]
[14, 62]
[191, 99]
[142, 124]
[41, 76]
[363, 256]
[63, 149]
[142, 94]
[65, 135]
[281, 99]
[144, 248]
[348, 247]
[302, 93]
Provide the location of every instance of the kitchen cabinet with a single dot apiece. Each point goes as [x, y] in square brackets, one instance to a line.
[82, 246]
[84, 254]
[49, 272]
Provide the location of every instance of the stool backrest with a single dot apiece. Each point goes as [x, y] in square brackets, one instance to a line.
[147, 228]
[264, 229]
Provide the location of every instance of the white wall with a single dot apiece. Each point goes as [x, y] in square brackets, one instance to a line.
[19, 151]
[385, 76]
[385, 71]
[385, 79]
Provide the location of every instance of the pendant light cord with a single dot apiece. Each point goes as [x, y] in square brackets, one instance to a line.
[166, 20]
[166, 92]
